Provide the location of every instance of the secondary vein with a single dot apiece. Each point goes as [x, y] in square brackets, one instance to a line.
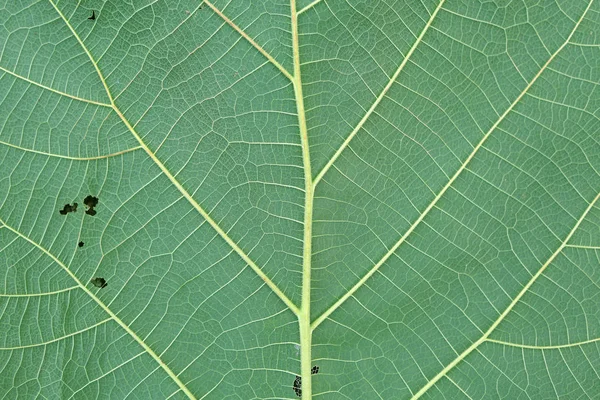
[431, 205]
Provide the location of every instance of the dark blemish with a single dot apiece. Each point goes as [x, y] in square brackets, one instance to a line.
[68, 208]
[91, 202]
[99, 282]
[93, 17]
[80, 244]
[298, 381]
[298, 386]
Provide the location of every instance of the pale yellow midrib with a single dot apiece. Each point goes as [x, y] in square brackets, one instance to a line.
[195, 204]
[304, 316]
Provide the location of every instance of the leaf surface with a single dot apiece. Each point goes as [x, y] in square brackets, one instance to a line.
[403, 195]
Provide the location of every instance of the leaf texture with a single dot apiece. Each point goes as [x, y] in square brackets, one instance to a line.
[402, 196]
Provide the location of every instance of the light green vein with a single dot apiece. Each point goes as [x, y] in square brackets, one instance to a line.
[250, 40]
[508, 309]
[54, 90]
[28, 346]
[39, 294]
[393, 249]
[209, 219]
[177, 184]
[118, 320]
[192, 201]
[308, 7]
[100, 157]
[578, 246]
[555, 347]
[304, 316]
[379, 98]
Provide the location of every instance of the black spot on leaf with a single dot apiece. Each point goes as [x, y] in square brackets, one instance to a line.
[298, 381]
[91, 202]
[80, 244]
[93, 17]
[298, 386]
[99, 282]
[68, 208]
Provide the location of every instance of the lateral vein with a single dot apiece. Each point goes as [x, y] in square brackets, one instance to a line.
[554, 347]
[250, 40]
[379, 98]
[185, 194]
[176, 183]
[308, 7]
[97, 103]
[508, 309]
[123, 325]
[100, 157]
[431, 205]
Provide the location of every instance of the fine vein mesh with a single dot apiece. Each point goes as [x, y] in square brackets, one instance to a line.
[458, 162]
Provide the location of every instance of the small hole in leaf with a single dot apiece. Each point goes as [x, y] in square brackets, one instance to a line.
[68, 208]
[314, 370]
[91, 202]
[80, 244]
[93, 17]
[99, 282]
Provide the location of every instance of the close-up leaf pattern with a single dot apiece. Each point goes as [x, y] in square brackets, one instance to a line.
[336, 199]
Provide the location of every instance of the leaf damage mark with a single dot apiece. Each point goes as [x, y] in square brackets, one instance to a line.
[68, 208]
[80, 244]
[91, 202]
[297, 386]
[99, 282]
[93, 17]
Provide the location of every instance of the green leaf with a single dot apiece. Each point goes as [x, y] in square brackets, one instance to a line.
[403, 195]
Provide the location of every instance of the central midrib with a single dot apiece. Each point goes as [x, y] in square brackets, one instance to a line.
[304, 316]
